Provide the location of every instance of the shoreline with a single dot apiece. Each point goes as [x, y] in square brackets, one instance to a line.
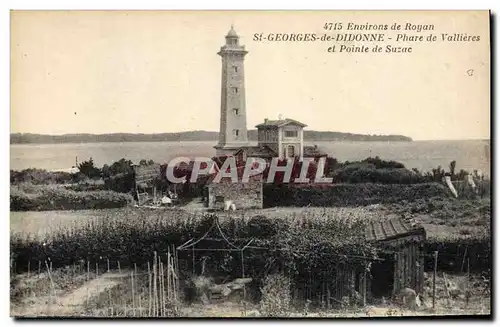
[309, 142]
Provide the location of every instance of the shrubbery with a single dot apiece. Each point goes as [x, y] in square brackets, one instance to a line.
[123, 183]
[58, 198]
[276, 299]
[132, 236]
[41, 176]
[371, 174]
[333, 195]
[471, 212]
[85, 187]
[454, 251]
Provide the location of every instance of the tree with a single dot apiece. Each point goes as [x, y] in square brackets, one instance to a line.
[121, 166]
[330, 165]
[145, 162]
[88, 169]
[453, 165]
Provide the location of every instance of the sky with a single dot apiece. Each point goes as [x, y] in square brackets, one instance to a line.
[158, 71]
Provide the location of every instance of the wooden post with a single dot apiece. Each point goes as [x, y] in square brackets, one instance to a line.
[39, 267]
[29, 268]
[88, 278]
[97, 276]
[364, 285]
[163, 301]
[194, 271]
[395, 286]
[133, 291]
[176, 272]
[434, 280]
[463, 260]
[51, 281]
[155, 285]
[119, 269]
[149, 291]
[328, 296]
[160, 293]
[110, 301]
[467, 285]
[244, 285]
[446, 289]
[169, 294]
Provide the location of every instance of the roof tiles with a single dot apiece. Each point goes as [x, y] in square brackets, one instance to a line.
[391, 229]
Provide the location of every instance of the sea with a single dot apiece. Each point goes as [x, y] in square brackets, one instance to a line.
[423, 155]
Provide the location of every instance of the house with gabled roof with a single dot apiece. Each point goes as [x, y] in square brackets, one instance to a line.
[282, 138]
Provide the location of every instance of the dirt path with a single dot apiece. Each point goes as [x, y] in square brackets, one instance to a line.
[69, 303]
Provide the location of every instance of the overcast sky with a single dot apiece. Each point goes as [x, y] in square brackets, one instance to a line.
[154, 72]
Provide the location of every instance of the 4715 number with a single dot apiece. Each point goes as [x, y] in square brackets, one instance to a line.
[332, 26]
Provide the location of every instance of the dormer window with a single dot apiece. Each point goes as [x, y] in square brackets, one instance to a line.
[291, 134]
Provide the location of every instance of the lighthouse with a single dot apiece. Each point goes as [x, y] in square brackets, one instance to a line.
[233, 121]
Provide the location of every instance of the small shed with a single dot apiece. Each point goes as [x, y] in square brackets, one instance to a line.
[245, 195]
[146, 178]
[401, 245]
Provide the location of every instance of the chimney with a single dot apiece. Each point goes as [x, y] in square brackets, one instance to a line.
[265, 120]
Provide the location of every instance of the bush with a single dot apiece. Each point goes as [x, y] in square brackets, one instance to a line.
[121, 166]
[85, 187]
[333, 195]
[53, 198]
[88, 169]
[371, 174]
[42, 177]
[276, 297]
[453, 253]
[381, 164]
[123, 183]
[132, 235]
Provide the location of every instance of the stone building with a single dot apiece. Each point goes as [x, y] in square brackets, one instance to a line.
[285, 137]
[282, 138]
[233, 122]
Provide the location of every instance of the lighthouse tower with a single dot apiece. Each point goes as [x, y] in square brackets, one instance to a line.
[233, 120]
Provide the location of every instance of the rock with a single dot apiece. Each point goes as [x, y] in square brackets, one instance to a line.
[241, 281]
[220, 289]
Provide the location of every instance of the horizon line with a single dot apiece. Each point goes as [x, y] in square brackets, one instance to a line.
[209, 131]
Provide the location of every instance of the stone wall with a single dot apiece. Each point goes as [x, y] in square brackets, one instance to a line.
[244, 195]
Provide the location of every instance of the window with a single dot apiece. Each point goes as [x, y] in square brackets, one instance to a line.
[291, 151]
[235, 90]
[236, 132]
[236, 111]
[235, 69]
[291, 133]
